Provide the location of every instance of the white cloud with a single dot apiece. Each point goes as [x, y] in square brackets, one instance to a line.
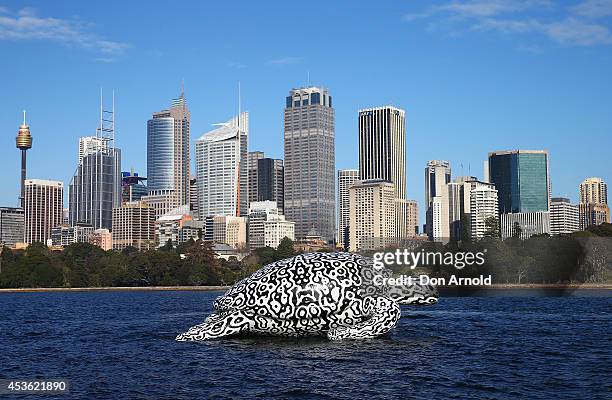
[573, 26]
[28, 25]
[285, 60]
[568, 31]
[594, 8]
[479, 8]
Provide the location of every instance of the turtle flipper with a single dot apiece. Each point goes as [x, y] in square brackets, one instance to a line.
[385, 315]
[216, 326]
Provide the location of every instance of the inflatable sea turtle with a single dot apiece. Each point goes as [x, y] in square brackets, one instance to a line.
[339, 295]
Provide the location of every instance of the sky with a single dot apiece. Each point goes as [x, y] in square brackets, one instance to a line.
[473, 77]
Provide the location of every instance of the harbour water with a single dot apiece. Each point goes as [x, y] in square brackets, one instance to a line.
[506, 344]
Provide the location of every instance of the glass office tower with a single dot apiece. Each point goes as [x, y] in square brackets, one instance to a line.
[521, 179]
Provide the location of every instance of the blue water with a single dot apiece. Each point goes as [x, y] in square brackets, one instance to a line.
[121, 345]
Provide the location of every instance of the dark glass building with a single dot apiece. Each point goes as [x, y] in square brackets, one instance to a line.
[521, 179]
[270, 182]
[95, 189]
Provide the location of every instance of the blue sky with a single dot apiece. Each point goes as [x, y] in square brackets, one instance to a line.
[472, 76]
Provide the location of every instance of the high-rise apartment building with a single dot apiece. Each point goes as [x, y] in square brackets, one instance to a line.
[133, 226]
[521, 178]
[11, 226]
[594, 190]
[44, 202]
[372, 215]
[437, 176]
[221, 167]
[346, 178]
[593, 207]
[309, 126]
[468, 184]
[564, 216]
[168, 152]
[266, 226]
[413, 218]
[483, 208]
[382, 154]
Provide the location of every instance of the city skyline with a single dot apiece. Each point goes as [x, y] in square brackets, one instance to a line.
[469, 116]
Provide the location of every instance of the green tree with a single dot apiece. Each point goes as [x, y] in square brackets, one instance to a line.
[285, 249]
[265, 255]
[492, 227]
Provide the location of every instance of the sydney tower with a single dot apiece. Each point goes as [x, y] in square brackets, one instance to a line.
[24, 142]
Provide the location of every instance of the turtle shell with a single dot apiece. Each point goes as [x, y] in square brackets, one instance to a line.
[307, 286]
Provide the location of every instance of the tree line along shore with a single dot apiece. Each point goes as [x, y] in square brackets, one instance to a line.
[576, 259]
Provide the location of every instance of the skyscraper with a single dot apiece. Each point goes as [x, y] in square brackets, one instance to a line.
[346, 178]
[309, 126]
[168, 152]
[253, 167]
[437, 176]
[271, 182]
[24, 143]
[95, 187]
[44, 201]
[382, 155]
[594, 209]
[221, 168]
[522, 180]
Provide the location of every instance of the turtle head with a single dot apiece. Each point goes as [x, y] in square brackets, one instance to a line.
[414, 294]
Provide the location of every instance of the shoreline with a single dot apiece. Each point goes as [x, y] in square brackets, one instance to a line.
[497, 286]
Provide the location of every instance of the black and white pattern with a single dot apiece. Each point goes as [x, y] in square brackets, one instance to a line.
[330, 294]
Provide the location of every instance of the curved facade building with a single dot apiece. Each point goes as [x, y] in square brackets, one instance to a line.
[168, 152]
[221, 167]
[160, 154]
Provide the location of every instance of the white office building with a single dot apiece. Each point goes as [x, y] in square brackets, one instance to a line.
[267, 227]
[530, 223]
[564, 216]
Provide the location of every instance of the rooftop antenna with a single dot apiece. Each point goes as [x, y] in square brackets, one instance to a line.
[24, 117]
[308, 74]
[239, 104]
